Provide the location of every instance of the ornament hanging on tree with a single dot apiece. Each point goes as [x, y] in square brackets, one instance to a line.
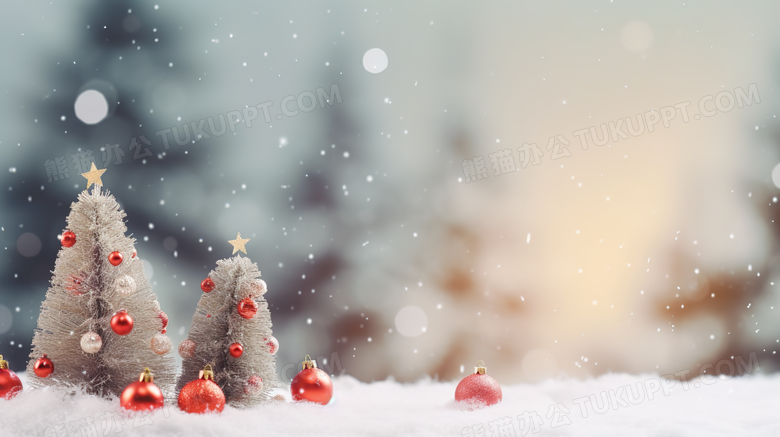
[161, 344]
[230, 329]
[247, 308]
[259, 288]
[207, 285]
[74, 284]
[10, 385]
[121, 323]
[134, 254]
[115, 258]
[254, 385]
[68, 239]
[164, 319]
[311, 384]
[272, 344]
[202, 395]
[91, 342]
[187, 349]
[98, 222]
[125, 284]
[43, 367]
[236, 350]
[142, 394]
[479, 389]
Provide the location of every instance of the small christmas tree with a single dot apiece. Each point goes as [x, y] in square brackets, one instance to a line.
[231, 331]
[100, 322]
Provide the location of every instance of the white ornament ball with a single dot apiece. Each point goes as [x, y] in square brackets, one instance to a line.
[161, 344]
[91, 342]
[272, 344]
[125, 284]
[187, 348]
[259, 288]
[254, 385]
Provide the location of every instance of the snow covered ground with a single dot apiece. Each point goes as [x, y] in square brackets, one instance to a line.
[712, 407]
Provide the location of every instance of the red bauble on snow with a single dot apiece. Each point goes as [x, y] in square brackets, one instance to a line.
[134, 253]
[202, 395]
[43, 367]
[122, 323]
[68, 239]
[311, 384]
[10, 385]
[115, 258]
[479, 389]
[207, 285]
[142, 394]
[236, 350]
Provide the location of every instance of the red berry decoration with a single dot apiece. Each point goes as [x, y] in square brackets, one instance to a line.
[68, 239]
[247, 308]
[43, 367]
[134, 254]
[207, 285]
[479, 389]
[202, 395]
[10, 385]
[115, 258]
[236, 350]
[73, 284]
[164, 318]
[122, 323]
[142, 394]
[311, 384]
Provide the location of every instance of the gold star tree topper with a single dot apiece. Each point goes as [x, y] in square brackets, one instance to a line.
[239, 243]
[93, 176]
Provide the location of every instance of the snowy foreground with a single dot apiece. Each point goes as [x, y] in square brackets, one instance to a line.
[738, 406]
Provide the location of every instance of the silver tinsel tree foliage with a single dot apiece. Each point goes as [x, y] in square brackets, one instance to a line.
[87, 290]
[231, 330]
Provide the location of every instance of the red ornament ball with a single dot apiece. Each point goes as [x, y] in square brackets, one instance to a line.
[43, 367]
[272, 344]
[134, 254]
[202, 395]
[164, 318]
[115, 258]
[236, 350]
[312, 384]
[121, 323]
[10, 385]
[142, 394]
[254, 385]
[247, 308]
[68, 239]
[478, 389]
[207, 285]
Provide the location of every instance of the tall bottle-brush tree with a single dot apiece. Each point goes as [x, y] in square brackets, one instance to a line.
[100, 322]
